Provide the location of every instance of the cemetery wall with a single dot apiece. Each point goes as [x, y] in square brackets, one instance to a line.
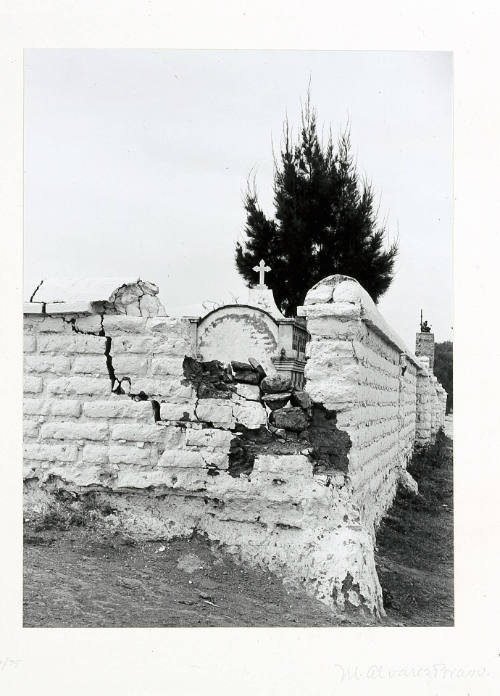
[122, 406]
[361, 370]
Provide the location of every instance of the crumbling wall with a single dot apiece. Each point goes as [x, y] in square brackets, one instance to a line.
[119, 403]
[92, 386]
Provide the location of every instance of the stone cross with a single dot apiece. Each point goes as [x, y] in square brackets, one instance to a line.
[261, 269]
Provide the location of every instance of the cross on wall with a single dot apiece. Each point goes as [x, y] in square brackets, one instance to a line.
[261, 270]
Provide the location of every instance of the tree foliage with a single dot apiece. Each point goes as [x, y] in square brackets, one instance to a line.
[443, 369]
[325, 221]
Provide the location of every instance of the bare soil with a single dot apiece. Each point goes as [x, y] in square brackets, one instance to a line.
[415, 544]
[78, 574]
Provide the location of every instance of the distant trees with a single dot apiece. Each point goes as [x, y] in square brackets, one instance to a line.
[325, 221]
[443, 369]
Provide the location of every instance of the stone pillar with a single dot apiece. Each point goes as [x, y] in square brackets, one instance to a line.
[424, 404]
[424, 346]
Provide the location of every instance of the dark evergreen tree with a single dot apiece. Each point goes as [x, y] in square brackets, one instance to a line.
[324, 222]
[443, 369]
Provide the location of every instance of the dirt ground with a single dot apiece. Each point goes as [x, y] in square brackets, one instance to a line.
[415, 544]
[84, 576]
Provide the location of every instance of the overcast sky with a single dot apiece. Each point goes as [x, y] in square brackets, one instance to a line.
[136, 163]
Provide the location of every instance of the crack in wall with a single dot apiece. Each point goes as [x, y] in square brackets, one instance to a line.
[117, 385]
[36, 290]
[155, 405]
[75, 328]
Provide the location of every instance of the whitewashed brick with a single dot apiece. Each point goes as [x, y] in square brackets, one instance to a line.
[36, 407]
[170, 411]
[65, 407]
[74, 431]
[89, 324]
[29, 343]
[119, 408]
[32, 384]
[54, 325]
[132, 344]
[132, 477]
[51, 453]
[170, 326]
[174, 347]
[168, 389]
[218, 459]
[95, 454]
[167, 366]
[30, 428]
[57, 364]
[80, 385]
[181, 478]
[90, 365]
[55, 343]
[117, 324]
[32, 308]
[130, 365]
[182, 459]
[79, 476]
[89, 344]
[129, 454]
[285, 463]
[172, 436]
[209, 437]
[55, 407]
[216, 411]
[137, 432]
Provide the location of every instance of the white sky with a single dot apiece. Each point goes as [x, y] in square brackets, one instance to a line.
[136, 162]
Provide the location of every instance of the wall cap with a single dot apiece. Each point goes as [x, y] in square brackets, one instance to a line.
[337, 291]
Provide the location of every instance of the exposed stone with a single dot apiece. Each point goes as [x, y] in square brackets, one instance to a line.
[134, 297]
[323, 291]
[290, 418]
[248, 391]
[330, 445]
[249, 377]
[251, 414]
[241, 457]
[257, 367]
[275, 401]
[408, 483]
[245, 373]
[211, 379]
[216, 411]
[240, 366]
[302, 399]
[275, 383]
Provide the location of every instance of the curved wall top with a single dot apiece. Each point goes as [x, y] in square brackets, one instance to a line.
[238, 332]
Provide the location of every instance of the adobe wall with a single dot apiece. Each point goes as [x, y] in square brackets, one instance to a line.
[118, 404]
[361, 370]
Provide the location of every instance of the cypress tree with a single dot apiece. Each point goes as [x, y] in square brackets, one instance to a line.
[324, 221]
